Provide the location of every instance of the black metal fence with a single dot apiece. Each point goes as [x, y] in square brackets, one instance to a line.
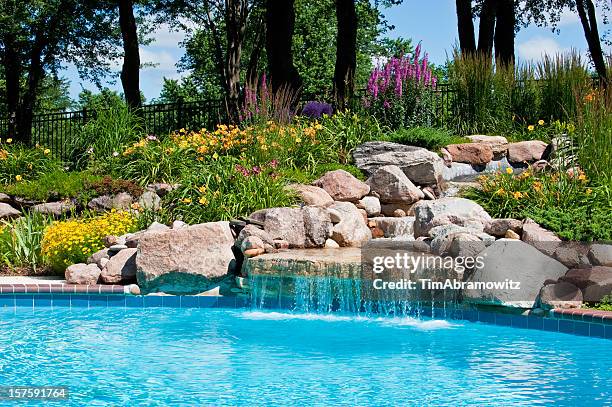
[55, 130]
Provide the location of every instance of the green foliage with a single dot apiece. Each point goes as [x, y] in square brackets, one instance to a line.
[572, 206]
[605, 304]
[306, 177]
[431, 138]
[227, 188]
[20, 241]
[102, 138]
[55, 185]
[19, 163]
[105, 99]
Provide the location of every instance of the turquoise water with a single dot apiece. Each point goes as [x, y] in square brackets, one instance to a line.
[134, 357]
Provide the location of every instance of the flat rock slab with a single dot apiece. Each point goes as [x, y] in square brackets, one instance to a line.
[340, 263]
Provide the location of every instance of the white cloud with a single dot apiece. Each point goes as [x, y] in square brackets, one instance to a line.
[166, 37]
[164, 61]
[535, 48]
[569, 17]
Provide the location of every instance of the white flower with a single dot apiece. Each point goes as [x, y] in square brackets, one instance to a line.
[115, 154]
[90, 150]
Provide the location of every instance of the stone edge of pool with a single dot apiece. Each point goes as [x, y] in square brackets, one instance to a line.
[583, 322]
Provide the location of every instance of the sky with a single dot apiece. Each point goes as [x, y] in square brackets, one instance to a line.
[434, 25]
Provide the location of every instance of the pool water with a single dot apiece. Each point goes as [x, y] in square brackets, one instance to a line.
[240, 357]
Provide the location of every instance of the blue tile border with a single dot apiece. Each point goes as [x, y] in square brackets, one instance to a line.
[596, 327]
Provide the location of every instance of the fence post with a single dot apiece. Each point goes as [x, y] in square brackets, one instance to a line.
[84, 115]
[179, 114]
[12, 124]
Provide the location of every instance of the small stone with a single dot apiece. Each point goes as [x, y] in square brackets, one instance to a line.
[254, 252]
[377, 233]
[399, 213]
[331, 244]
[371, 205]
[161, 189]
[4, 198]
[97, 257]
[526, 151]
[511, 234]
[252, 242]
[334, 215]
[134, 289]
[393, 186]
[110, 240]
[179, 224]
[80, 273]
[56, 209]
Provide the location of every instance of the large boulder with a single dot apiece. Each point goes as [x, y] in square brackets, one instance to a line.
[560, 295]
[121, 268]
[420, 165]
[8, 212]
[543, 239]
[526, 151]
[471, 153]
[184, 261]
[600, 254]
[595, 282]
[342, 186]
[56, 209]
[308, 226]
[516, 261]
[311, 195]
[392, 185]
[352, 230]
[498, 144]
[80, 273]
[458, 211]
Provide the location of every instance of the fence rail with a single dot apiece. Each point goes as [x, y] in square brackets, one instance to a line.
[55, 130]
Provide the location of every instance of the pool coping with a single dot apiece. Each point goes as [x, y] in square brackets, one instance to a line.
[583, 322]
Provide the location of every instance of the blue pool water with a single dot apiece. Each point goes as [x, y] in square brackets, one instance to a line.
[134, 357]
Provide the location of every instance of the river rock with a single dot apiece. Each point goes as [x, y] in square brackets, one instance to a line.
[517, 261]
[311, 195]
[55, 209]
[342, 186]
[560, 295]
[526, 151]
[8, 212]
[420, 165]
[498, 144]
[471, 153]
[370, 204]
[458, 211]
[82, 274]
[351, 231]
[499, 227]
[120, 268]
[184, 261]
[393, 186]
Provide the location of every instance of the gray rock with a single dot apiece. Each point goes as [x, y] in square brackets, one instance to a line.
[560, 295]
[149, 200]
[393, 186]
[458, 211]
[526, 151]
[499, 227]
[342, 186]
[317, 226]
[82, 274]
[572, 254]
[540, 238]
[395, 227]
[56, 209]
[121, 201]
[390, 209]
[252, 230]
[157, 227]
[8, 212]
[120, 268]
[517, 261]
[252, 242]
[184, 261]
[311, 195]
[600, 254]
[351, 231]
[595, 282]
[4, 198]
[370, 204]
[420, 165]
[97, 257]
[179, 224]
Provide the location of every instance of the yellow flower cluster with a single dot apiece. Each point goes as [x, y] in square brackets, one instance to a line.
[72, 241]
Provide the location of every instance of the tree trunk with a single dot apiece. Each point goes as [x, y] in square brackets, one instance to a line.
[130, 73]
[12, 76]
[252, 71]
[504, 32]
[586, 12]
[280, 21]
[486, 27]
[465, 26]
[235, 22]
[25, 113]
[346, 52]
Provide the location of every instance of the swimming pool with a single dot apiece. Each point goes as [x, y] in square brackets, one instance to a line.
[118, 356]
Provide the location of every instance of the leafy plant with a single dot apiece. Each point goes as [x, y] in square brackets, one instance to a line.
[109, 186]
[55, 185]
[605, 304]
[428, 137]
[20, 241]
[19, 163]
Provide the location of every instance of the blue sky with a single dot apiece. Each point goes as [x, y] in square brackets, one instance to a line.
[434, 25]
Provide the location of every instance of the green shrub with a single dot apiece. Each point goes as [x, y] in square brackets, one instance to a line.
[19, 163]
[58, 184]
[605, 304]
[307, 177]
[572, 206]
[102, 138]
[227, 188]
[20, 241]
[430, 138]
